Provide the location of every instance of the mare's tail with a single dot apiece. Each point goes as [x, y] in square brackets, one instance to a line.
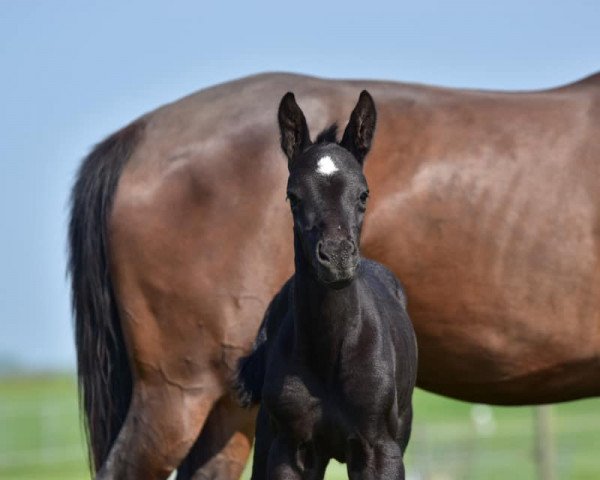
[102, 367]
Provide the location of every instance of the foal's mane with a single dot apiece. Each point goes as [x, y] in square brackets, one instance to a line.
[328, 135]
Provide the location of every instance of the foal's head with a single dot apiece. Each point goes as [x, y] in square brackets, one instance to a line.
[327, 189]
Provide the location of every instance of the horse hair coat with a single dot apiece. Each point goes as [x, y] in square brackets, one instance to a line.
[335, 360]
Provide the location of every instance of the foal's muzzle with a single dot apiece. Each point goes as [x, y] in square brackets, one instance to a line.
[337, 260]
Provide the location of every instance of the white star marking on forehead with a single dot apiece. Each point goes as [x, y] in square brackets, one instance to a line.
[325, 166]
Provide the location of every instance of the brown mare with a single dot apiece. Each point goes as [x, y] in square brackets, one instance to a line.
[487, 204]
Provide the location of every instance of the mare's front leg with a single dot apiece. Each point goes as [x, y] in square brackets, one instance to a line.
[290, 461]
[382, 461]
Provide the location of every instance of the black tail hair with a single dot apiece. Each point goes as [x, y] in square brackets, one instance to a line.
[103, 371]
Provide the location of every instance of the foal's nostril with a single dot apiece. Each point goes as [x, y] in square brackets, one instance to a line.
[348, 247]
[323, 257]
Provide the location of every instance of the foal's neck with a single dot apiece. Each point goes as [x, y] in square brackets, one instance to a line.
[323, 316]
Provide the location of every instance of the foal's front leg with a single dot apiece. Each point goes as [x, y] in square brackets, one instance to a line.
[282, 463]
[381, 461]
[262, 445]
[289, 461]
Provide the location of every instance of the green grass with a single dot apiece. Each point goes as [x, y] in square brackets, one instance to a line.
[40, 436]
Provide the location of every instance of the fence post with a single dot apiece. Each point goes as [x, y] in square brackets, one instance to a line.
[545, 457]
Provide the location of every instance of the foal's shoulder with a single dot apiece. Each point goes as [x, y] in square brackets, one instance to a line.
[376, 273]
[278, 307]
[249, 377]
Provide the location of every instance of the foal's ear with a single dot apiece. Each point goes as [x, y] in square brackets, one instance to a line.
[359, 132]
[292, 124]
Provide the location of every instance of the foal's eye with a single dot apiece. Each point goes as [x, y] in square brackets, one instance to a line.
[363, 197]
[294, 200]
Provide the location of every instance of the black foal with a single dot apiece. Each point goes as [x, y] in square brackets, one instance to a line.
[335, 361]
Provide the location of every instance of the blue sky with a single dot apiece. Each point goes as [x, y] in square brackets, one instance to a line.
[72, 72]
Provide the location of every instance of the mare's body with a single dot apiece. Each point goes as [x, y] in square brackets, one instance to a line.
[488, 203]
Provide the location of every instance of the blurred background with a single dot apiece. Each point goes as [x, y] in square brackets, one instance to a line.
[73, 72]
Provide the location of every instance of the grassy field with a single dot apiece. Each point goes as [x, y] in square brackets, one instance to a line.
[40, 437]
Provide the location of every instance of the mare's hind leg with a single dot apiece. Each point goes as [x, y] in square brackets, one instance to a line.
[224, 444]
[161, 425]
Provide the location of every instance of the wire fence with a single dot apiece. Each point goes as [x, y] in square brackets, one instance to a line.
[41, 438]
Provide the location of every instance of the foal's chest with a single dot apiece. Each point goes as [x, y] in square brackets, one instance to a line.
[309, 410]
